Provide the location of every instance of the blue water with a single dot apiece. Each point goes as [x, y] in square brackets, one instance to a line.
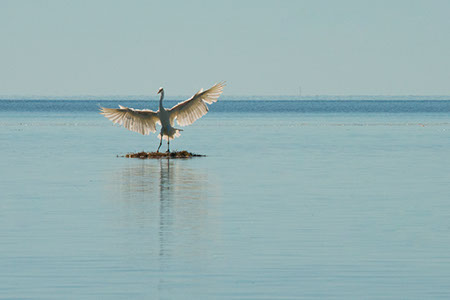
[295, 200]
[245, 106]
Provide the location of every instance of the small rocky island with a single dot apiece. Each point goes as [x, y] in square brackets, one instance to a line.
[159, 155]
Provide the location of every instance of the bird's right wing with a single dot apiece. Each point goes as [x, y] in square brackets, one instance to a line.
[187, 112]
[142, 121]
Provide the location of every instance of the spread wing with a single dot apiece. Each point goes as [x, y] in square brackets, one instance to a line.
[142, 121]
[187, 112]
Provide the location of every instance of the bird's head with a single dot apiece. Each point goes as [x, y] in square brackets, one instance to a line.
[160, 90]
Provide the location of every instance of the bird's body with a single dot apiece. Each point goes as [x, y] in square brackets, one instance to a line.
[186, 113]
[167, 129]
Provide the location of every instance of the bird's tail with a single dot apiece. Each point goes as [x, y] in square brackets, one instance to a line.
[174, 133]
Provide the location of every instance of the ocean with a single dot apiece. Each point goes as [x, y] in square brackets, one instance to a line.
[294, 200]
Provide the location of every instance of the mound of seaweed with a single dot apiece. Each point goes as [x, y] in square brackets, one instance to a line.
[158, 155]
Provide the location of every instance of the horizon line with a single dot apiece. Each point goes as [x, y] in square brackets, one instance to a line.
[233, 97]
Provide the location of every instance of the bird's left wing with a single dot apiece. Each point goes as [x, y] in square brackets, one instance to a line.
[187, 112]
[142, 121]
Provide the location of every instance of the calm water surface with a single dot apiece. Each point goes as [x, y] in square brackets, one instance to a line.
[295, 200]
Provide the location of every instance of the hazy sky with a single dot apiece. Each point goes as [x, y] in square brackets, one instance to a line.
[260, 47]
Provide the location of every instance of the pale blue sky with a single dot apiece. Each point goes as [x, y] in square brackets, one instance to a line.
[260, 47]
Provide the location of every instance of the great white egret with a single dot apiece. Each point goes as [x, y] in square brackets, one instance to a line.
[144, 121]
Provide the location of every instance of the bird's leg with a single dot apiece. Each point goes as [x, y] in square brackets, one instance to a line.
[168, 140]
[160, 143]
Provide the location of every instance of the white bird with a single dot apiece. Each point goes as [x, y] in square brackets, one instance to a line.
[144, 121]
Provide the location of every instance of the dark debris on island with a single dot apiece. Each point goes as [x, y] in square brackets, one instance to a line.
[159, 155]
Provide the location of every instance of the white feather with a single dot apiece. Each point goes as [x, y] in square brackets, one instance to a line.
[189, 111]
[142, 121]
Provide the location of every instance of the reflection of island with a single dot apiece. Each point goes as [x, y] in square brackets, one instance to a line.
[174, 203]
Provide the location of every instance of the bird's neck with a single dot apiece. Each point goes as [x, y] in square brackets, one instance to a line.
[161, 101]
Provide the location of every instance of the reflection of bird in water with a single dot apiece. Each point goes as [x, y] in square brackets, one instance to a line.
[165, 205]
[168, 214]
[174, 202]
[186, 113]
